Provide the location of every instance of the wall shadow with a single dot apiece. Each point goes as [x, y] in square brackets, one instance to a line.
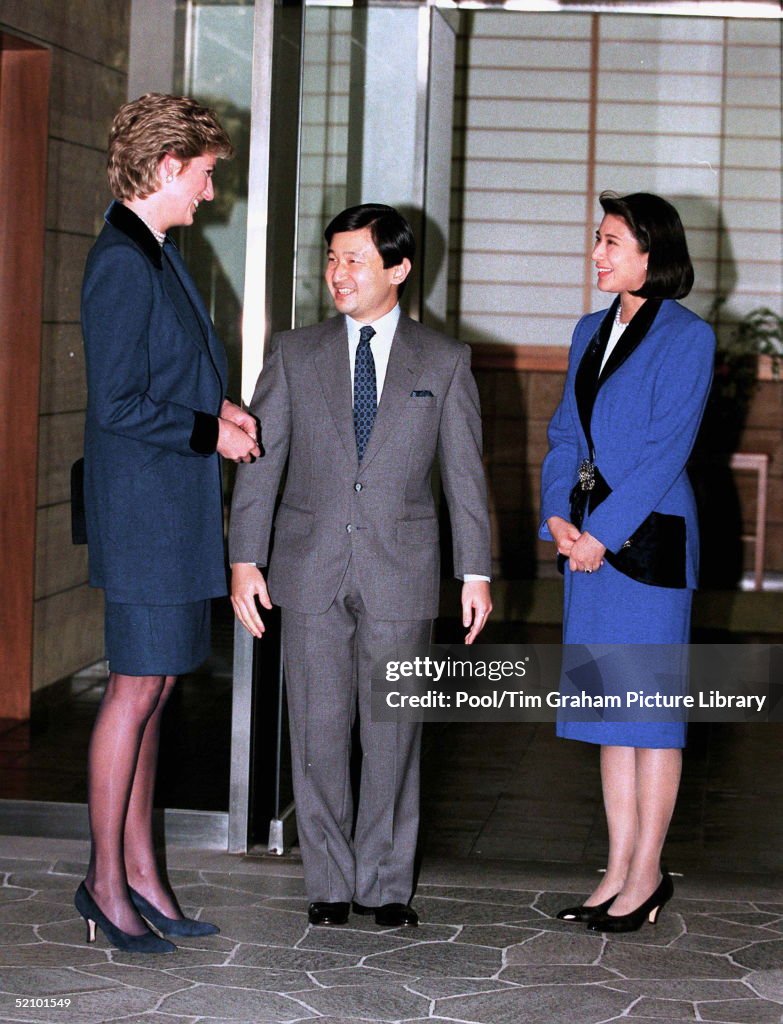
[714, 483]
[505, 400]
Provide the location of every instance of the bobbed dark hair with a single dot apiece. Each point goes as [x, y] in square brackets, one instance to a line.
[656, 226]
[391, 233]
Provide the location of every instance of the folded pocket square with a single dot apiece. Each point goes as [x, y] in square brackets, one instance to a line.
[422, 394]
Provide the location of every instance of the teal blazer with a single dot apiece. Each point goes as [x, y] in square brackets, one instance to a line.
[156, 380]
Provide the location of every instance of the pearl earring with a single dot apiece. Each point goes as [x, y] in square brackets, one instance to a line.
[169, 178]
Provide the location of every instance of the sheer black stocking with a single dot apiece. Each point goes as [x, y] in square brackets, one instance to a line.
[122, 760]
[141, 865]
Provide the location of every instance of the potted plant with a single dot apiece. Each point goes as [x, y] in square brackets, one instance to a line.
[749, 350]
[758, 334]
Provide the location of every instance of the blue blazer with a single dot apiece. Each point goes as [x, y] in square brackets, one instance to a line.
[156, 379]
[644, 419]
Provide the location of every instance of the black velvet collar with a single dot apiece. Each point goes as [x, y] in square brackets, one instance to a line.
[126, 221]
[588, 382]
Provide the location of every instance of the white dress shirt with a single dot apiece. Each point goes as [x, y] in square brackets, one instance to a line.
[380, 345]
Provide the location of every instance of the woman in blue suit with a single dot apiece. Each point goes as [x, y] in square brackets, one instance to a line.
[617, 502]
[157, 423]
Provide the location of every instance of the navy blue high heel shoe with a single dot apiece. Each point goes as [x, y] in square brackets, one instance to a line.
[147, 942]
[183, 927]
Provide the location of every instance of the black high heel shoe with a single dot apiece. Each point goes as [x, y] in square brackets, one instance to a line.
[147, 942]
[632, 922]
[583, 914]
[183, 927]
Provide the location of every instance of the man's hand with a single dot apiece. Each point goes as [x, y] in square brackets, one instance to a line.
[564, 533]
[587, 554]
[247, 584]
[476, 606]
[234, 443]
[245, 420]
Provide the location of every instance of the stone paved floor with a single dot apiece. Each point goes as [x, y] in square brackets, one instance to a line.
[512, 829]
[487, 951]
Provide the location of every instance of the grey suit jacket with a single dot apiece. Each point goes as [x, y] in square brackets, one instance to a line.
[380, 513]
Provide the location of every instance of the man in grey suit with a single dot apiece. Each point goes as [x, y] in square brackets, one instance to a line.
[359, 407]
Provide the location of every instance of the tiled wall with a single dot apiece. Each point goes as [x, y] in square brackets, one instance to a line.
[88, 42]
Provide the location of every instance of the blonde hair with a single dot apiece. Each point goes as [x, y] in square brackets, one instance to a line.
[146, 129]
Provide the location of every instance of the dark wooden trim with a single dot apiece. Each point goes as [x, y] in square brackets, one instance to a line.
[536, 358]
[592, 133]
[24, 127]
[554, 359]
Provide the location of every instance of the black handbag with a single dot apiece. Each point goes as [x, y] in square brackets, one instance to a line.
[654, 553]
[78, 517]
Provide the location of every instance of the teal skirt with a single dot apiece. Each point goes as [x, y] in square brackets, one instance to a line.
[157, 640]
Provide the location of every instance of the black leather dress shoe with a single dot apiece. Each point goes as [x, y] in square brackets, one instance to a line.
[390, 915]
[633, 922]
[327, 913]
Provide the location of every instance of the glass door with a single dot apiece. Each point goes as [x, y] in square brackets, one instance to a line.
[339, 118]
[376, 127]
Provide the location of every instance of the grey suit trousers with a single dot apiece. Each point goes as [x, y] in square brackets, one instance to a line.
[328, 662]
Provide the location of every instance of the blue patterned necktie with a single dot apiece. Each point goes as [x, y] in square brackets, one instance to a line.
[365, 393]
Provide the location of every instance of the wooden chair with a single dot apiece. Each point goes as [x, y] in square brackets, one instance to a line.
[758, 463]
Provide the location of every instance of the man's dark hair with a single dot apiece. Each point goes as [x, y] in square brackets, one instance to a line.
[391, 233]
[656, 226]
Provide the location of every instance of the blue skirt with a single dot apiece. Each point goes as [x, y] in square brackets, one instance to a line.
[157, 640]
[606, 607]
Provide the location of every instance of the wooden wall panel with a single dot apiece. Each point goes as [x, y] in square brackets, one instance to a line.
[88, 46]
[24, 117]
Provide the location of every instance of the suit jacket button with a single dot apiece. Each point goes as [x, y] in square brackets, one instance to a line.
[349, 528]
[357, 487]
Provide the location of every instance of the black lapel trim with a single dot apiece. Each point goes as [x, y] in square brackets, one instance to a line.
[632, 337]
[126, 221]
[588, 382]
[186, 309]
